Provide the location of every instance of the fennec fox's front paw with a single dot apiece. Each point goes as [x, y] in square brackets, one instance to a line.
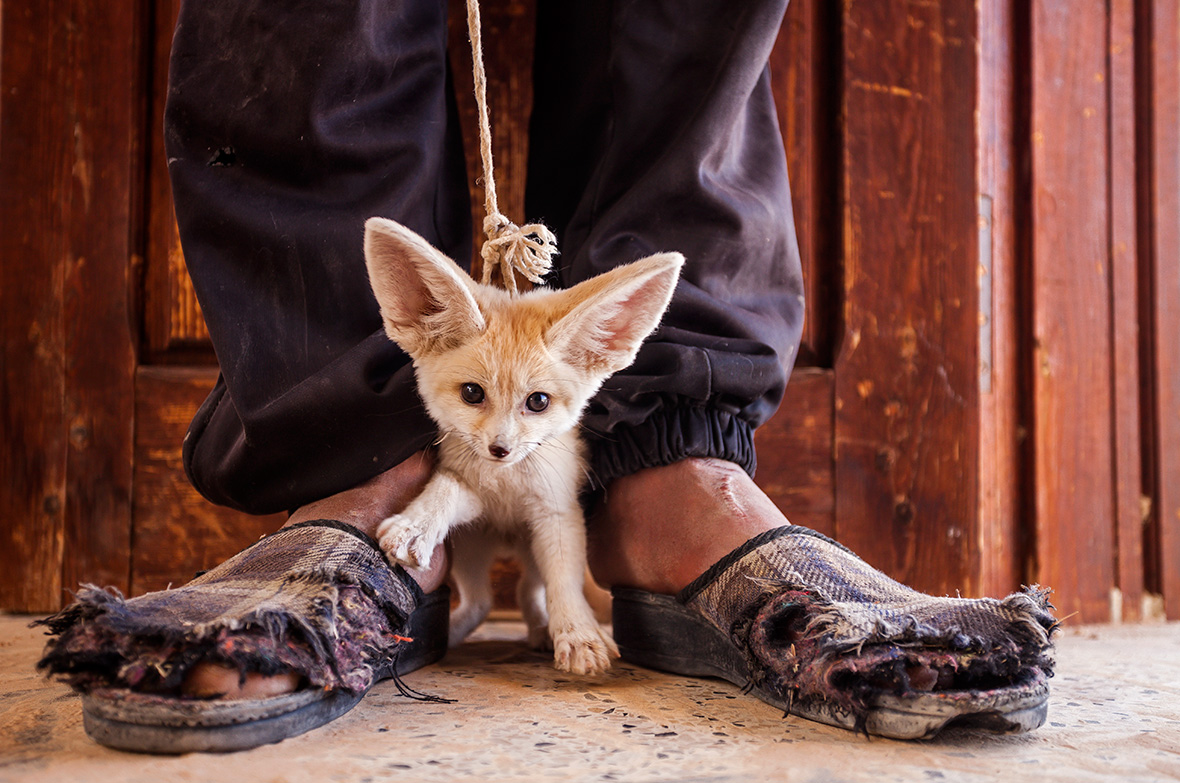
[408, 541]
[583, 649]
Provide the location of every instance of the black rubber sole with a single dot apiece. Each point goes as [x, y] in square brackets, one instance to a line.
[658, 632]
[126, 721]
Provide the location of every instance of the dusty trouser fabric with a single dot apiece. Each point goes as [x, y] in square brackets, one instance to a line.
[290, 123]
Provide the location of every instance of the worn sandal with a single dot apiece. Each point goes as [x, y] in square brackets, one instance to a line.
[809, 627]
[319, 599]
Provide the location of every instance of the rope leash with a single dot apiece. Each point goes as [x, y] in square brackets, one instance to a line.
[527, 249]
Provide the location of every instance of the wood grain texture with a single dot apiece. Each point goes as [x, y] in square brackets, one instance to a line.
[999, 535]
[1071, 319]
[105, 94]
[34, 166]
[1126, 443]
[1163, 51]
[907, 429]
[804, 77]
[177, 532]
[71, 119]
[795, 467]
[173, 326]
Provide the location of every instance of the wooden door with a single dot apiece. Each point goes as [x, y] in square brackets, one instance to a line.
[987, 393]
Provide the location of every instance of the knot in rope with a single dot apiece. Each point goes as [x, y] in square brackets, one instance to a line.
[528, 249]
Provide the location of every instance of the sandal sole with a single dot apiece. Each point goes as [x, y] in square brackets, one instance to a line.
[658, 632]
[126, 721]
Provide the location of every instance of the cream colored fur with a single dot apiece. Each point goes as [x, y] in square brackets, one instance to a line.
[506, 472]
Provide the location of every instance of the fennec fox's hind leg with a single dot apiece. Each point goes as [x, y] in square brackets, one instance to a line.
[474, 550]
[530, 597]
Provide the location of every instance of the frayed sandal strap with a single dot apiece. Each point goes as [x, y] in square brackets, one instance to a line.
[319, 598]
[856, 603]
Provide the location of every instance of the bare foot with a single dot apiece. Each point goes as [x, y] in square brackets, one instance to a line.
[661, 528]
[363, 507]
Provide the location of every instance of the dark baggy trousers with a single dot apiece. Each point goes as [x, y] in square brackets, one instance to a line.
[289, 122]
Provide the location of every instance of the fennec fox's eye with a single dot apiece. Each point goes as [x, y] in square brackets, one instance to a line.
[472, 393]
[537, 402]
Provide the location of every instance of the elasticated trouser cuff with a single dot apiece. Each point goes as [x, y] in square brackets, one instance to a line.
[670, 435]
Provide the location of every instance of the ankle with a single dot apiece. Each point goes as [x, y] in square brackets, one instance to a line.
[660, 528]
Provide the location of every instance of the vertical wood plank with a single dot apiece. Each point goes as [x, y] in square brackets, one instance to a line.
[35, 167]
[104, 98]
[1124, 297]
[999, 534]
[907, 428]
[1164, 90]
[174, 328]
[795, 467]
[804, 68]
[70, 135]
[1071, 319]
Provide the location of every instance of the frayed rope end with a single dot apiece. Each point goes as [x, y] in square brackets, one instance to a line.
[527, 249]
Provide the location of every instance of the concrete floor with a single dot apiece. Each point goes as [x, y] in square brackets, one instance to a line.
[1114, 716]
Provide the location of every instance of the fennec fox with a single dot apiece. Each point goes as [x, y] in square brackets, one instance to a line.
[506, 377]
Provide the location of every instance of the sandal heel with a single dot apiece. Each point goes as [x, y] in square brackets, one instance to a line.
[657, 632]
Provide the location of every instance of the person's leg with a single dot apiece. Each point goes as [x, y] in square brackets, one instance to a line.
[654, 129]
[660, 528]
[288, 125]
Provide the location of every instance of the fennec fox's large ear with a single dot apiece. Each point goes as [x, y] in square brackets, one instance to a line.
[425, 298]
[611, 315]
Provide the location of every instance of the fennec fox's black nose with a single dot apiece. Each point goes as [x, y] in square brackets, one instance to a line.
[498, 451]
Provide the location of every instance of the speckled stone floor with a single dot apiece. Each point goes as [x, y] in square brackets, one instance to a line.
[1114, 716]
